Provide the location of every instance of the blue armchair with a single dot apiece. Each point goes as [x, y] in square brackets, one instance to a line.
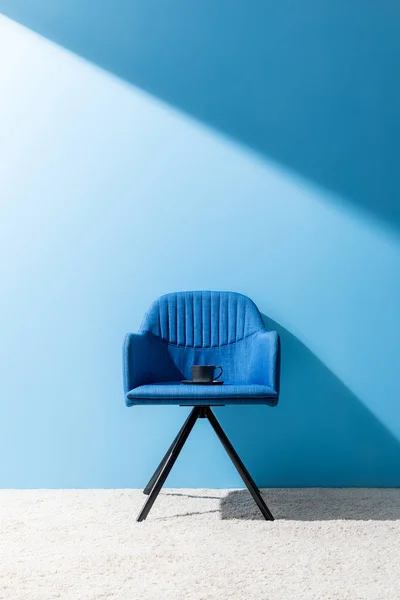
[201, 328]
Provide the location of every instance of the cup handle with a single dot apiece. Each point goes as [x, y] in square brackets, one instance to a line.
[219, 375]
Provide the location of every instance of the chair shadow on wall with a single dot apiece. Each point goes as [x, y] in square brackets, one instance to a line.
[319, 436]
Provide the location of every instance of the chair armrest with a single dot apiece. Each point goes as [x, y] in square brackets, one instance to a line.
[135, 360]
[269, 359]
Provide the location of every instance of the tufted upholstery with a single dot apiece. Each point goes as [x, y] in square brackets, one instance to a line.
[202, 319]
[187, 328]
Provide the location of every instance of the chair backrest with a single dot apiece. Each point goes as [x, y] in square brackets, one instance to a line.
[202, 319]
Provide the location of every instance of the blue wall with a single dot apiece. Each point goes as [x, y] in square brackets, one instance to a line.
[147, 149]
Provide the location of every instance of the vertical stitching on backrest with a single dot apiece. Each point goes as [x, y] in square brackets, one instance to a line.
[243, 322]
[201, 319]
[176, 318]
[210, 326]
[219, 319]
[211, 319]
[244, 319]
[159, 319]
[237, 318]
[193, 320]
[169, 328]
[184, 319]
[227, 320]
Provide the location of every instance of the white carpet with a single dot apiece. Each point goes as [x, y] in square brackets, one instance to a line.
[199, 545]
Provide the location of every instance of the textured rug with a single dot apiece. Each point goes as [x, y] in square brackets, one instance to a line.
[200, 545]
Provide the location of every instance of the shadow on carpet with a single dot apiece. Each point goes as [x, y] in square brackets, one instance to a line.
[319, 504]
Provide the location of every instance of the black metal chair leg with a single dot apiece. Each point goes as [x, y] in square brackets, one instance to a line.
[166, 469]
[157, 472]
[243, 472]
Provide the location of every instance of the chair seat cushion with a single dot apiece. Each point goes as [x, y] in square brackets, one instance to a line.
[179, 393]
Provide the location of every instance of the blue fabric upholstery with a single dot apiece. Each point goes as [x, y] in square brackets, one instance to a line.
[229, 393]
[215, 328]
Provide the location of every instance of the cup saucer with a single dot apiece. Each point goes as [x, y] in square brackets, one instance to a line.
[191, 382]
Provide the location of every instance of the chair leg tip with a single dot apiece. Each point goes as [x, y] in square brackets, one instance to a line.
[269, 517]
